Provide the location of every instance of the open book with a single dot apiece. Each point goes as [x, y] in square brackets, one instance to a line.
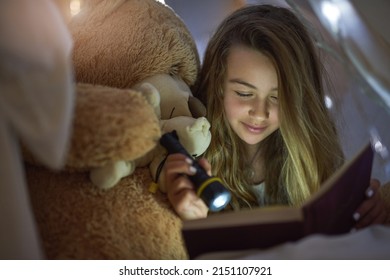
[329, 211]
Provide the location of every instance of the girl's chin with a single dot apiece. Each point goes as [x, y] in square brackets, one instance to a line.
[252, 140]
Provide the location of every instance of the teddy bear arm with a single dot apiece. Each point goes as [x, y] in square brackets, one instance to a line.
[111, 125]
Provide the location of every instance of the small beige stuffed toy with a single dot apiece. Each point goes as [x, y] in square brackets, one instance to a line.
[170, 98]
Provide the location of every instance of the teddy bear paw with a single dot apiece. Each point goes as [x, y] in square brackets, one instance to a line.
[109, 175]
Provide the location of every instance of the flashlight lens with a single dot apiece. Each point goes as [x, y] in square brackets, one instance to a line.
[220, 202]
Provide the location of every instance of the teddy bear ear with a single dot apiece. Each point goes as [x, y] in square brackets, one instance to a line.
[196, 107]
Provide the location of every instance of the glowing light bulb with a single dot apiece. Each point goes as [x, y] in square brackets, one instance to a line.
[75, 7]
[328, 102]
[332, 13]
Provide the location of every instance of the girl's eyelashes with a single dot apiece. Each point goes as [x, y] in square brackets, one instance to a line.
[241, 94]
[272, 98]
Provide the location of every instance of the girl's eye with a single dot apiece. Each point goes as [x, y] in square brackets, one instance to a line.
[241, 94]
[274, 98]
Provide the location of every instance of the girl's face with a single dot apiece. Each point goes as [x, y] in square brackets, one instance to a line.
[251, 94]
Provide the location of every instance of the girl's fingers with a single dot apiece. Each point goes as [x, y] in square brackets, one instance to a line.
[206, 165]
[185, 201]
[176, 165]
[372, 210]
[180, 190]
[375, 215]
[373, 188]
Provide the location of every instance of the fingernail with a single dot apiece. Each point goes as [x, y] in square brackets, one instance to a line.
[369, 192]
[189, 161]
[192, 169]
[356, 216]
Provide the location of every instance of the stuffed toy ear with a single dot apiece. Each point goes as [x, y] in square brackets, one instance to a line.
[196, 107]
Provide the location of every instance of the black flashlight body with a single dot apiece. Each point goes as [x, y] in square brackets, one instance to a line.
[209, 188]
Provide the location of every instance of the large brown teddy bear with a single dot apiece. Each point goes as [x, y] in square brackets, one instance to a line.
[117, 45]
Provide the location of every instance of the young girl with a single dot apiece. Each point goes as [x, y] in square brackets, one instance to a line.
[273, 141]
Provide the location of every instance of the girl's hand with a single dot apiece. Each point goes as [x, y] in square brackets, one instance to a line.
[372, 210]
[180, 190]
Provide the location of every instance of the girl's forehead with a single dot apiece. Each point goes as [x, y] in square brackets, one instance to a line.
[250, 66]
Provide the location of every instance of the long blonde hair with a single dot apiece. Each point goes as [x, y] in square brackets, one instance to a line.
[305, 150]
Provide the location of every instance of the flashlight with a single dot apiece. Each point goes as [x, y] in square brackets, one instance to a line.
[209, 188]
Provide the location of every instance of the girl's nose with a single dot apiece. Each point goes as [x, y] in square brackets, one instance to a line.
[259, 109]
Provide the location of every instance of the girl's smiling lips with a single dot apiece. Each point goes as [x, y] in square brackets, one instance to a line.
[254, 128]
